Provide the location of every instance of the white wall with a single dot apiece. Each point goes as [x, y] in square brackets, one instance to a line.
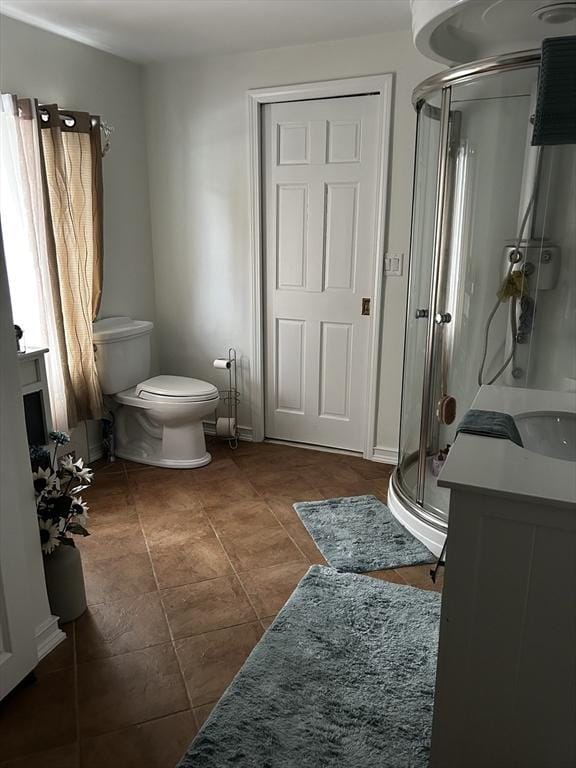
[198, 164]
[39, 64]
[51, 68]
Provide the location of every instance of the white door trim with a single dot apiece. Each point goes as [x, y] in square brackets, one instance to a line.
[380, 85]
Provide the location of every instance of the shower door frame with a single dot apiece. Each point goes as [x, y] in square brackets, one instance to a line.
[442, 84]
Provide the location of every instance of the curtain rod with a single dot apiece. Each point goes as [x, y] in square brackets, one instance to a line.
[69, 120]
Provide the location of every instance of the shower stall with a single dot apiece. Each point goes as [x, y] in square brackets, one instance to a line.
[492, 296]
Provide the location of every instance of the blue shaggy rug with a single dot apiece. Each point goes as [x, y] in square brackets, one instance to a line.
[343, 678]
[358, 534]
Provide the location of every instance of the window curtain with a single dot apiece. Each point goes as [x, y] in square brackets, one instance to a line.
[72, 184]
[22, 212]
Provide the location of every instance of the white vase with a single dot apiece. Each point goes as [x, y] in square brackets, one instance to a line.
[65, 583]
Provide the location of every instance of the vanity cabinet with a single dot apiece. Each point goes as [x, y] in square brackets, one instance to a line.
[506, 679]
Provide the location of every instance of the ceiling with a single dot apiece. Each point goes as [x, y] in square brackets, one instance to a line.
[156, 30]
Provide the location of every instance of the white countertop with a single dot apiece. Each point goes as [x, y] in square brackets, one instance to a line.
[500, 467]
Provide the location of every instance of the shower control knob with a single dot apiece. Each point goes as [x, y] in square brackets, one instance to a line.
[420, 313]
[528, 268]
[443, 317]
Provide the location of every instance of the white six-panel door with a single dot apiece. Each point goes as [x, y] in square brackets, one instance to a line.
[319, 180]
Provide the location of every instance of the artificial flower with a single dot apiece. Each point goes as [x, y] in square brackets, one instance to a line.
[60, 438]
[76, 469]
[39, 457]
[60, 509]
[56, 505]
[44, 480]
[49, 535]
[79, 488]
[79, 509]
[67, 464]
[82, 472]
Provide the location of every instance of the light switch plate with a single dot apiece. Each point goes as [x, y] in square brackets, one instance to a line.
[393, 264]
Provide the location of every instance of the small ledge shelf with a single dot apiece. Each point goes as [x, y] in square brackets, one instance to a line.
[34, 383]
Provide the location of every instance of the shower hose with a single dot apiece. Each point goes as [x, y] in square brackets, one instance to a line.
[514, 258]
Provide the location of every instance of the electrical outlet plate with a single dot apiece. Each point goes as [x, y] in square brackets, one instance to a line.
[393, 264]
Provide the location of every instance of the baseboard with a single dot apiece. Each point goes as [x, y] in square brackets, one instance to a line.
[312, 447]
[244, 433]
[384, 455]
[48, 636]
[96, 450]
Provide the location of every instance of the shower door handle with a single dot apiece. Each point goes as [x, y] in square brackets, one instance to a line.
[420, 313]
[443, 317]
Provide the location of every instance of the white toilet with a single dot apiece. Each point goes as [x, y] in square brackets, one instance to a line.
[158, 420]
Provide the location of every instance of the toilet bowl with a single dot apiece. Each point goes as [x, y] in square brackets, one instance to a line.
[158, 420]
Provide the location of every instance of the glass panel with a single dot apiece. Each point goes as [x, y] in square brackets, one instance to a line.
[421, 256]
[508, 265]
[491, 182]
[546, 356]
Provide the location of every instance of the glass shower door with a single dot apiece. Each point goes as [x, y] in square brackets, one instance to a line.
[422, 252]
[484, 204]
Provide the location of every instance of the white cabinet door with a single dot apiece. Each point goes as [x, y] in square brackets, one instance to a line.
[18, 649]
[320, 176]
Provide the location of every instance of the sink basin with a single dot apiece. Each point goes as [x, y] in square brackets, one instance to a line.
[551, 433]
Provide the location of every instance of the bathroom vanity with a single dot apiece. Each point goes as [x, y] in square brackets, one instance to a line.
[506, 680]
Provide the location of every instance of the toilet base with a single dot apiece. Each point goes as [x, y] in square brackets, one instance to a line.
[178, 444]
[159, 462]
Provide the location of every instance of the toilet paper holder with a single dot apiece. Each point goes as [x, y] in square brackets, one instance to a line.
[227, 411]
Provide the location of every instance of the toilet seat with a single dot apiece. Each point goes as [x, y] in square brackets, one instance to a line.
[176, 389]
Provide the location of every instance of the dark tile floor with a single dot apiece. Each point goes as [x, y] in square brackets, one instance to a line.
[184, 572]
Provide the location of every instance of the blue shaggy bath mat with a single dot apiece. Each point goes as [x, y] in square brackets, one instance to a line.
[344, 678]
[358, 534]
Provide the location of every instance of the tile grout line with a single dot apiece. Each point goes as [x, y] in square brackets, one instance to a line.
[287, 532]
[123, 473]
[265, 500]
[173, 639]
[158, 591]
[136, 725]
[239, 580]
[236, 574]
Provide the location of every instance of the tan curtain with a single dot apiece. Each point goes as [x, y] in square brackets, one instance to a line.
[23, 217]
[72, 174]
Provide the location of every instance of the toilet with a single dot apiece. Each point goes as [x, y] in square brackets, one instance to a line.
[158, 420]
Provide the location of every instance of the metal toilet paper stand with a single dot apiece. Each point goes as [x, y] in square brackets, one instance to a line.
[227, 425]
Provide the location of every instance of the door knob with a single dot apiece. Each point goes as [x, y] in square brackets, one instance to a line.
[443, 317]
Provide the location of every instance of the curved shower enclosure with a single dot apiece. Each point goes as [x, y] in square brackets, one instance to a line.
[492, 296]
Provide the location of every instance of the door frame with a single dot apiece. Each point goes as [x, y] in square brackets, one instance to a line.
[380, 86]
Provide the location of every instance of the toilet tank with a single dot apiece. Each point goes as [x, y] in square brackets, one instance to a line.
[122, 350]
